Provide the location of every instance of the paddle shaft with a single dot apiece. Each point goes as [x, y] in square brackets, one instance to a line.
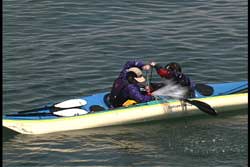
[50, 108]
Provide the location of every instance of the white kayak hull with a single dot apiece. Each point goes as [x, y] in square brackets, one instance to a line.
[128, 115]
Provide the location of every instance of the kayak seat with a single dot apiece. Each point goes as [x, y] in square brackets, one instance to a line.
[106, 100]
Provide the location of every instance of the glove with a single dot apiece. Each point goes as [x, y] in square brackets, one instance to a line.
[152, 64]
[149, 90]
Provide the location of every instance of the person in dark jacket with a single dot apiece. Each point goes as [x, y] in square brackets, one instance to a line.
[173, 71]
[128, 85]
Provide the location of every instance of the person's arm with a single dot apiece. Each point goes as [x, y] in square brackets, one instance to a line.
[135, 94]
[130, 64]
[162, 71]
[134, 63]
[184, 80]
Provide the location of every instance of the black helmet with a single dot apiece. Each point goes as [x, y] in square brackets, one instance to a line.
[131, 77]
[173, 67]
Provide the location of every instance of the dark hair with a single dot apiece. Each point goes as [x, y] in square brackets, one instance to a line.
[131, 77]
[173, 67]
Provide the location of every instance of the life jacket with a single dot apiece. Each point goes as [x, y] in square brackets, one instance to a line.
[116, 96]
[129, 102]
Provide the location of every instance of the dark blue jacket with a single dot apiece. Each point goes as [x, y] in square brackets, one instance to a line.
[178, 77]
[122, 90]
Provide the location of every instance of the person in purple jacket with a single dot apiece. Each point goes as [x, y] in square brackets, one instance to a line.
[129, 83]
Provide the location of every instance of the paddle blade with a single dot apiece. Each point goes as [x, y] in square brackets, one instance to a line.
[204, 90]
[203, 106]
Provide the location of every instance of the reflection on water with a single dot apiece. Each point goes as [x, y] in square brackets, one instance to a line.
[137, 144]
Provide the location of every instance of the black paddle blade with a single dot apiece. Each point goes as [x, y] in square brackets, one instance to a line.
[202, 106]
[204, 90]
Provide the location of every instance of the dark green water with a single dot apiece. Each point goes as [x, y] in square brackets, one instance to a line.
[57, 50]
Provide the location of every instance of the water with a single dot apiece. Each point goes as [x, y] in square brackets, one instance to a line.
[171, 89]
[53, 51]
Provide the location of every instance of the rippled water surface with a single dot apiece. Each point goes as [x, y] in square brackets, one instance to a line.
[57, 50]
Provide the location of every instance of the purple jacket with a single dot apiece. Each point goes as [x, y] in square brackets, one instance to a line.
[128, 65]
[133, 92]
[122, 90]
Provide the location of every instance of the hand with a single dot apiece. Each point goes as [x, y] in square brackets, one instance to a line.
[146, 67]
[147, 88]
[152, 64]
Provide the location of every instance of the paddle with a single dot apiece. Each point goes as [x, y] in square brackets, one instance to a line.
[148, 79]
[53, 111]
[204, 89]
[202, 106]
[151, 75]
[60, 113]
[65, 105]
[66, 108]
